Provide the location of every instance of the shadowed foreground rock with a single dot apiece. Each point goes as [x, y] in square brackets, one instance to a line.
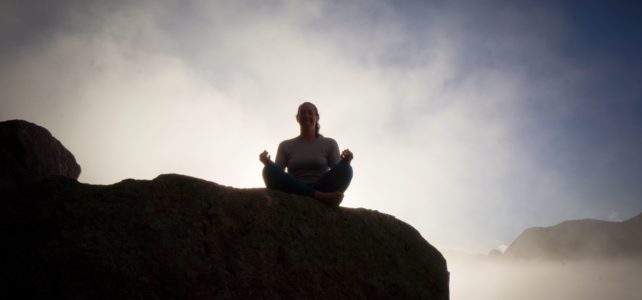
[185, 238]
[29, 153]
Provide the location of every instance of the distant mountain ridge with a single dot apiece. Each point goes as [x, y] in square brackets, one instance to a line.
[580, 239]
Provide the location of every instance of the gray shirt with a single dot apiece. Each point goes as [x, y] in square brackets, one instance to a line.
[308, 160]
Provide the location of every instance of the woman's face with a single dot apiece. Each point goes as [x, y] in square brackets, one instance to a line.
[307, 115]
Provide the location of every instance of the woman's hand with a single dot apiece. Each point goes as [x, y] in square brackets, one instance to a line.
[264, 157]
[346, 156]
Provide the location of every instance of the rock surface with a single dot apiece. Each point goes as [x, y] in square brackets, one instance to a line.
[177, 237]
[580, 239]
[29, 153]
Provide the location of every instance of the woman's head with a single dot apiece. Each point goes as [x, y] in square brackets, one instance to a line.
[308, 115]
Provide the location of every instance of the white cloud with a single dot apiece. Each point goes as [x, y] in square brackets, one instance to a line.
[201, 88]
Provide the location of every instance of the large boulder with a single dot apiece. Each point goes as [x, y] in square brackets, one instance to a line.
[29, 153]
[177, 237]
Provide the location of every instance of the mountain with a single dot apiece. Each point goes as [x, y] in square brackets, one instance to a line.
[179, 237]
[580, 239]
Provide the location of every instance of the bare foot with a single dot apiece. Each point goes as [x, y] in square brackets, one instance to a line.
[329, 199]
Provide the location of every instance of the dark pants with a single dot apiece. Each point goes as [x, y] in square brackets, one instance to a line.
[336, 179]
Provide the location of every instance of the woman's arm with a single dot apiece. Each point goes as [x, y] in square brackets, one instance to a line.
[332, 152]
[281, 158]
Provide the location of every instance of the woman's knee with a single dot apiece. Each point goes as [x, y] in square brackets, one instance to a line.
[271, 170]
[336, 180]
[345, 170]
[271, 175]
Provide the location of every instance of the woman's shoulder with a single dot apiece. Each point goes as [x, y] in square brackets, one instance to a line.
[328, 140]
[328, 143]
[288, 142]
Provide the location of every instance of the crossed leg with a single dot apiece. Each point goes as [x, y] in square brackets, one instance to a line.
[328, 189]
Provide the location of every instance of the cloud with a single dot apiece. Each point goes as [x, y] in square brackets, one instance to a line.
[433, 99]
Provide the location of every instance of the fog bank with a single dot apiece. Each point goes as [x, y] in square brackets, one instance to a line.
[481, 278]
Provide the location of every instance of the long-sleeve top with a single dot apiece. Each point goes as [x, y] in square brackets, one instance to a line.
[308, 160]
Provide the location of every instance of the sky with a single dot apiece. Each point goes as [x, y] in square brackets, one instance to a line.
[469, 120]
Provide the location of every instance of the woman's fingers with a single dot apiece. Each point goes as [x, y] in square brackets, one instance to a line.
[346, 155]
[264, 156]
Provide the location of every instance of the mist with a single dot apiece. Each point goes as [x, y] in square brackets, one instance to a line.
[483, 278]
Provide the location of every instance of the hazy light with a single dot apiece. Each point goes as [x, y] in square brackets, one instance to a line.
[441, 140]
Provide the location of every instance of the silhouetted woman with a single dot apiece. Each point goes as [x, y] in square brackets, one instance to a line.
[314, 166]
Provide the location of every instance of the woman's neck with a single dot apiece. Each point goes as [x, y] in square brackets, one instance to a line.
[308, 135]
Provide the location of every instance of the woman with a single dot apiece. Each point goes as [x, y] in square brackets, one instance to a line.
[314, 166]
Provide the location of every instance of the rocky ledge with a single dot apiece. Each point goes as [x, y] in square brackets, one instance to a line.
[178, 237]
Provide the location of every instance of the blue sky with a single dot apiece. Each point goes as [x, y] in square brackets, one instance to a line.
[470, 120]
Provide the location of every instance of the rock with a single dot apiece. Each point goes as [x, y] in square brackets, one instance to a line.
[29, 153]
[177, 237]
[580, 239]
